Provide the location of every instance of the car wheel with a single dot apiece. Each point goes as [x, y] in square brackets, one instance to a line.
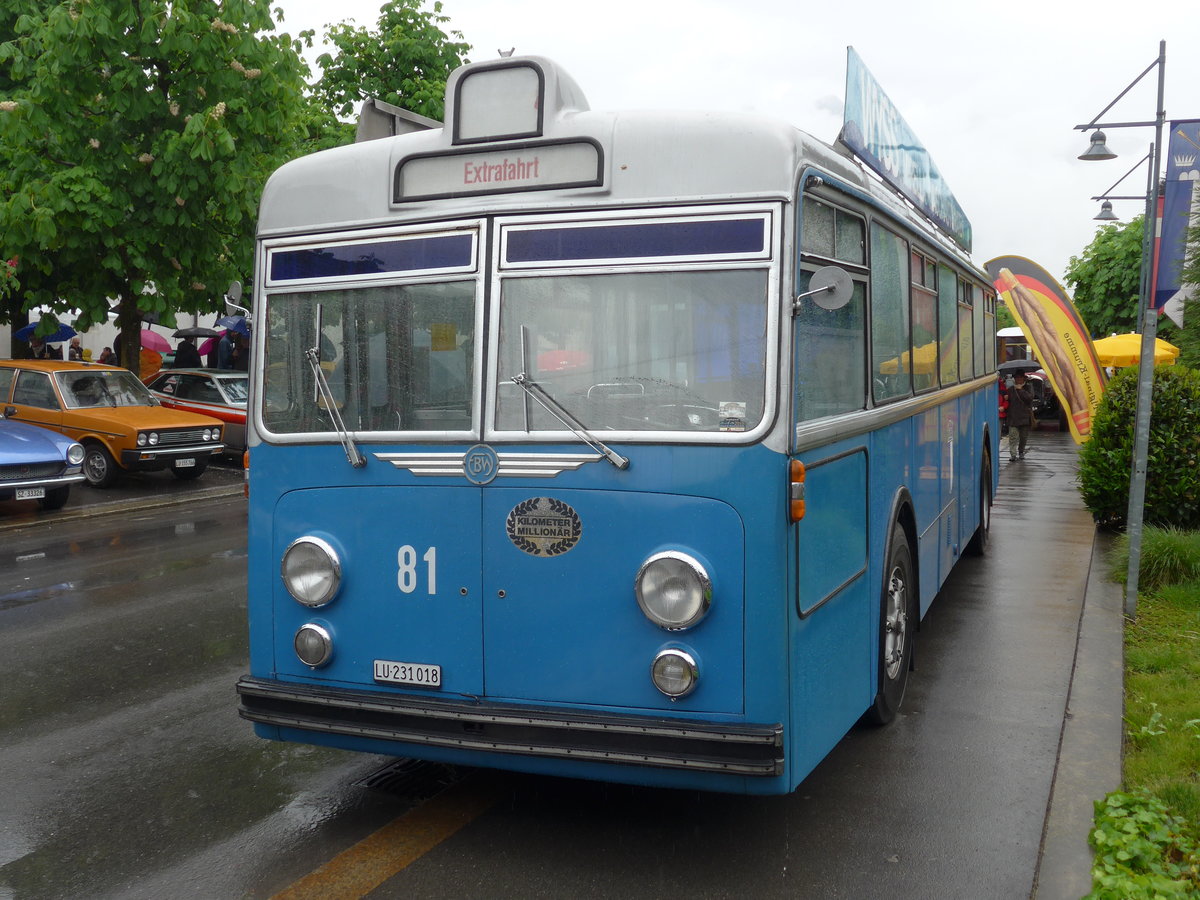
[897, 628]
[56, 498]
[99, 467]
[192, 471]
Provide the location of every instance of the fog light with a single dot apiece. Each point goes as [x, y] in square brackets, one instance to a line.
[674, 672]
[311, 571]
[313, 645]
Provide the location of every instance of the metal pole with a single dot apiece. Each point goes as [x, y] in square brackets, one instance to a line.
[1141, 435]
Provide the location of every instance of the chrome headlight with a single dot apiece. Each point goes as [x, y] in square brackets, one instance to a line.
[673, 590]
[674, 672]
[141, 440]
[153, 438]
[313, 645]
[311, 571]
[75, 454]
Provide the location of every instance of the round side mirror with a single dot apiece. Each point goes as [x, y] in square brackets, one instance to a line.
[830, 287]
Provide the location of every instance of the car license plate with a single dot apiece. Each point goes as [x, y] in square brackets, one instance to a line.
[418, 674]
[184, 463]
[31, 493]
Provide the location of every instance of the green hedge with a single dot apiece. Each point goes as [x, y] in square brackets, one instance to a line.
[1172, 471]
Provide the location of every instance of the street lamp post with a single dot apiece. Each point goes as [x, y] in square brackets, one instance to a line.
[1149, 315]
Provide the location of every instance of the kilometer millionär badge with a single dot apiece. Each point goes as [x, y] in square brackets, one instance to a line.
[543, 526]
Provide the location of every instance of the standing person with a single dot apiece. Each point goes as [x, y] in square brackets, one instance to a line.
[1020, 416]
[186, 355]
[225, 351]
[75, 351]
[107, 357]
[41, 350]
[241, 353]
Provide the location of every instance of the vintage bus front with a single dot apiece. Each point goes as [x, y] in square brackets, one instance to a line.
[518, 471]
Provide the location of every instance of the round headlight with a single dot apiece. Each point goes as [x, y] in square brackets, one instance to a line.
[75, 454]
[313, 645]
[673, 590]
[141, 440]
[674, 672]
[311, 571]
[153, 438]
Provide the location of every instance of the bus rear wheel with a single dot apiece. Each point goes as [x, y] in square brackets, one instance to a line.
[897, 628]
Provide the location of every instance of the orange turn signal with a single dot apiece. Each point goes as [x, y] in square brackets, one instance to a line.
[796, 490]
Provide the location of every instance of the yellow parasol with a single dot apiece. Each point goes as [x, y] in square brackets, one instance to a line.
[925, 360]
[1126, 350]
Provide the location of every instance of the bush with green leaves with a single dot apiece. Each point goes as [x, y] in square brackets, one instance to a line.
[1172, 471]
[1143, 850]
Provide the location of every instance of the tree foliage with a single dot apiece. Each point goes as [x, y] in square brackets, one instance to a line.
[135, 138]
[404, 62]
[1105, 279]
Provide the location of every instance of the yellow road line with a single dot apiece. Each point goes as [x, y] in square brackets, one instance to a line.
[360, 869]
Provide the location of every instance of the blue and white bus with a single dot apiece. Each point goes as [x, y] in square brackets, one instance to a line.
[623, 446]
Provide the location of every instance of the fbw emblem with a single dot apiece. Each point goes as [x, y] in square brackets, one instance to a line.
[480, 464]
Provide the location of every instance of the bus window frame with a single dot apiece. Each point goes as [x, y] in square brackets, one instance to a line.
[769, 260]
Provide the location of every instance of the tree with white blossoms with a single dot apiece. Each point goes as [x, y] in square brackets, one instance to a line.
[135, 139]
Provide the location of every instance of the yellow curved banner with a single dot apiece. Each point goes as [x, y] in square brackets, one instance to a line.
[1059, 337]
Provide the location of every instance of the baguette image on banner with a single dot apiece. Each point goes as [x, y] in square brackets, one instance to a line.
[1059, 336]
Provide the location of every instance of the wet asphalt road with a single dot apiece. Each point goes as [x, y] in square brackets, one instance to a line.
[127, 772]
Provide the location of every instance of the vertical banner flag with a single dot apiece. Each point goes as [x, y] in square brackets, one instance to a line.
[1181, 210]
[1058, 335]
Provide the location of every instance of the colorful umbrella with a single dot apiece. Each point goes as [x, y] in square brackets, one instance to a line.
[235, 323]
[1122, 350]
[152, 340]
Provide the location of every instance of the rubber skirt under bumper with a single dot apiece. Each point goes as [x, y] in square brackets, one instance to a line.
[526, 731]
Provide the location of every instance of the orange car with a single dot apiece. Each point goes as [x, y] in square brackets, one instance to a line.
[110, 412]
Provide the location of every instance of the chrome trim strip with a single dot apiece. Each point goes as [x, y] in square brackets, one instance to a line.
[52, 481]
[512, 465]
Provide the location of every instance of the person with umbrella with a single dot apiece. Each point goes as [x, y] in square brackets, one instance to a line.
[1020, 416]
[186, 354]
[41, 350]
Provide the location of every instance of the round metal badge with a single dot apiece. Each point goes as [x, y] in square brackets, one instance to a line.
[543, 526]
[480, 464]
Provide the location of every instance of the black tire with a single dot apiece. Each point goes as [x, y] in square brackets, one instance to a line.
[56, 498]
[978, 544]
[192, 471]
[897, 629]
[99, 467]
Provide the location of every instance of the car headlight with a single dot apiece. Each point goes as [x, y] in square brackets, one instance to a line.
[311, 571]
[673, 590]
[75, 454]
[674, 672]
[141, 440]
[153, 438]
[313, 645]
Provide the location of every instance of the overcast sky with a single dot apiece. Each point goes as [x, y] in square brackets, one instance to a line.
[992, 90]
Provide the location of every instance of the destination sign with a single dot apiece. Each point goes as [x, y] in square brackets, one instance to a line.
[526, 167]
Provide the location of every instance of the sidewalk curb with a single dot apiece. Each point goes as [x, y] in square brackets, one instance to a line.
[125, 505]
[1089, 757]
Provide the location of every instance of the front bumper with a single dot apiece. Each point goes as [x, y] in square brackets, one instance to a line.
[8, 489]
[157, 457]
[521, 730]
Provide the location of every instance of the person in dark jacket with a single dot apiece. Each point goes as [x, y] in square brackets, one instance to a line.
[186, 355]
[1020, 416]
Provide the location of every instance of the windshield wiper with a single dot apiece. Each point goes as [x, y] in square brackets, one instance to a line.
[352, 453]
[552, 406]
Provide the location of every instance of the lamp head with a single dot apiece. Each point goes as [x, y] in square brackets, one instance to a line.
[1106, 213]
[1098, 150]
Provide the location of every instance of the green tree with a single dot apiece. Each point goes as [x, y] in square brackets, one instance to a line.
[135, 138]
[1105, 279]
[404, 62]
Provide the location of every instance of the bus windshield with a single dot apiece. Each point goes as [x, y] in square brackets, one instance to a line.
[650, 351]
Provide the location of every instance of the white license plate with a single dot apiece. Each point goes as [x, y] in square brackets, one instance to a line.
[419, 674]
[184, 463]
[31, 493]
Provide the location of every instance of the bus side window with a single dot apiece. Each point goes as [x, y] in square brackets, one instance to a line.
[891, 351]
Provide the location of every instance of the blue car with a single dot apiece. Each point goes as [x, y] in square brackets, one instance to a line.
[37, 464]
